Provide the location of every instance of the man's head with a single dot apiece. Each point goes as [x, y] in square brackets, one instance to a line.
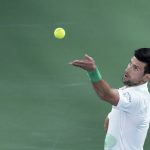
[138, 70]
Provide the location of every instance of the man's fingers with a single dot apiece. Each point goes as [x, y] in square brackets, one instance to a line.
[83, 66]
[88, 57]
[87, 63]
[81, 62]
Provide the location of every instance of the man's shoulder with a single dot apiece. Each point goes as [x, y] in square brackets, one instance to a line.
[136, 92]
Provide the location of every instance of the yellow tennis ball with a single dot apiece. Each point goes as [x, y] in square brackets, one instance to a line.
[59, 33]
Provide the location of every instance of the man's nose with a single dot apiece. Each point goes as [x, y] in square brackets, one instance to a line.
[128, 68]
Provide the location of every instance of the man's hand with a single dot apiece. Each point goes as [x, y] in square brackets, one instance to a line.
[87, 63]
[101, 87]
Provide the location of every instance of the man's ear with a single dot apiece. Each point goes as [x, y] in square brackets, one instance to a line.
[146, 77]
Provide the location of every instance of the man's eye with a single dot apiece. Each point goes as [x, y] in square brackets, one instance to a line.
[136, 68]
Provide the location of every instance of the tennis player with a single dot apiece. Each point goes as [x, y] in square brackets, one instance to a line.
[128, 122]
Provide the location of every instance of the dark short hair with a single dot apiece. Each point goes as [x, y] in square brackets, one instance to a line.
[143, 55]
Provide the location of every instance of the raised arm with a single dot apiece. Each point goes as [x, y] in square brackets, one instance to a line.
[102, 88]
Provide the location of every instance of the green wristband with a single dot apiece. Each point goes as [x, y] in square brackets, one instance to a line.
[95, 75]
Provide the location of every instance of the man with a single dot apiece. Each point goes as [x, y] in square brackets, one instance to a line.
[128, 122]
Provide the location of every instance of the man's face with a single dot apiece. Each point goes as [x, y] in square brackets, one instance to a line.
[134, 73]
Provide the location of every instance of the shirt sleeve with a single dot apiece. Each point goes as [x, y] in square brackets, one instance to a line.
[129, 101]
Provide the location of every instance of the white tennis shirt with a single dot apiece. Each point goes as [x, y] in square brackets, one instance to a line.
[129, 120]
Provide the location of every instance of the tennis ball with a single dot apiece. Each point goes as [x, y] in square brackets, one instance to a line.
[59, 33]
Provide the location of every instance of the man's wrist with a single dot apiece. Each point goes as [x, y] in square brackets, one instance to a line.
[95, 75]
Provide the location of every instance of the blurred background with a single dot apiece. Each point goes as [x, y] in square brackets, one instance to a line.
[46, 104]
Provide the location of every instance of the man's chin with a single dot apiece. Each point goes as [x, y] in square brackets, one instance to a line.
[126, 82]
[129, 83]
